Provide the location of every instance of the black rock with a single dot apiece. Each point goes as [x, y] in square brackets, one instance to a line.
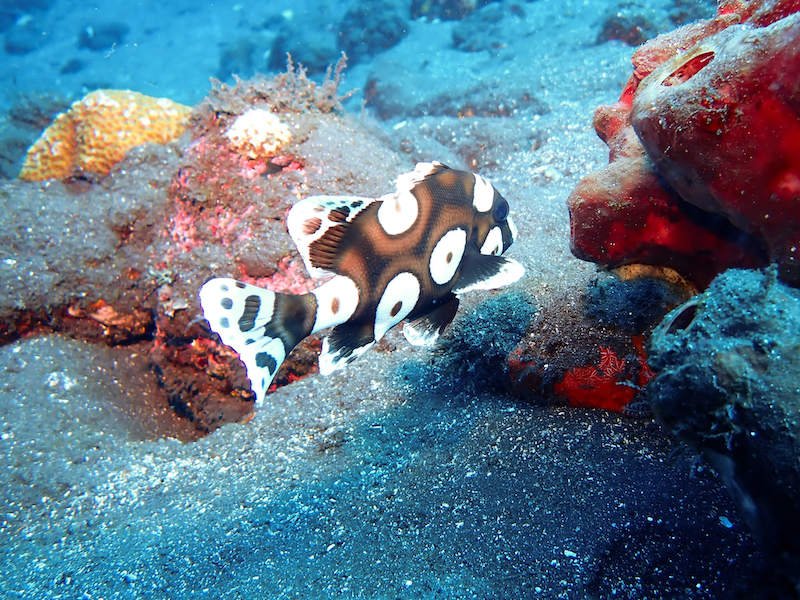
[369, 28]
[102, 36]
[728, 384]
[23, 39]
[73, 65]
[315, 50]
[490, 28]
[448, 10]
[237, 58]
[12, 10]
[626, 25]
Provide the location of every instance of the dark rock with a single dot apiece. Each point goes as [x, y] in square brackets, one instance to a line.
[73, 65]
[490, 28]
[686, 11]
[237, 58]
[102, 36]
[729, 368]
[448, 10]
[7, 18]
[23, 39]
[11, 11]
[23, 124]
[587, 349]
[370, 28]
[12, 149]
[473, 351]
[633, 306]
[416, 95]
[476, 143]
[627, 25]
[314, 47]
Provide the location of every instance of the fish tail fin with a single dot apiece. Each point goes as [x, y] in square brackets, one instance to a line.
[261, 325]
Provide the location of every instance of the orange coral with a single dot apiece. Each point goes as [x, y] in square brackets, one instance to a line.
[98, 130]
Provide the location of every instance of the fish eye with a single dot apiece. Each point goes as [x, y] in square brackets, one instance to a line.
[500, 211]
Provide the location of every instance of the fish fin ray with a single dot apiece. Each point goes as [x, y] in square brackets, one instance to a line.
[314, 218]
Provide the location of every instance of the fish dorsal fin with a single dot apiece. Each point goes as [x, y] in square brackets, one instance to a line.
[399, 210]
[421, 172]
[345, 343]
[425, 330]
[317, 217]
[487, 272]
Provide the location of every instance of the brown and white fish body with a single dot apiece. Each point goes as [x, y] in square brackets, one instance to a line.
[405, 256]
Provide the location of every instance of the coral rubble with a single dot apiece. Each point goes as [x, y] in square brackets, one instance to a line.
[704, 145]
[99, 130]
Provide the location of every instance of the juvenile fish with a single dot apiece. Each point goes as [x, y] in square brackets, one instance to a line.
[407, 255]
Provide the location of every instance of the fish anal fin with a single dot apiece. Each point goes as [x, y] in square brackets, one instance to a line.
[487, 272]
[344, 344]
[425, 330]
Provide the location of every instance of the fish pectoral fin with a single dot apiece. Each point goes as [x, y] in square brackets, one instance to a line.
[487, 272]
[316, 225]
[425, 330]
[344, 344]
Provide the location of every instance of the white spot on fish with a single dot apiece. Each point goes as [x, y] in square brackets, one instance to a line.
[482, 195]
[337, 300]
[447, 255]
[493, 244]
[399, 299]
[398, 212]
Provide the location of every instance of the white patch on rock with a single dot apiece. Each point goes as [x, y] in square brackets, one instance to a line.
[447, 255]
[258, 133]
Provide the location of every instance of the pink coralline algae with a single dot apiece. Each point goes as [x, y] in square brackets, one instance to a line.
[704, 143]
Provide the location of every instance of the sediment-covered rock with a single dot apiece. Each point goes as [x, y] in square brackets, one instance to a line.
[588, 350]
[727, 383]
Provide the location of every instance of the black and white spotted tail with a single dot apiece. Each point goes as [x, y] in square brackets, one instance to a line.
[262, 326]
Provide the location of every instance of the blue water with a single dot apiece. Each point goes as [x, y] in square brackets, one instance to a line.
[396, 480]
